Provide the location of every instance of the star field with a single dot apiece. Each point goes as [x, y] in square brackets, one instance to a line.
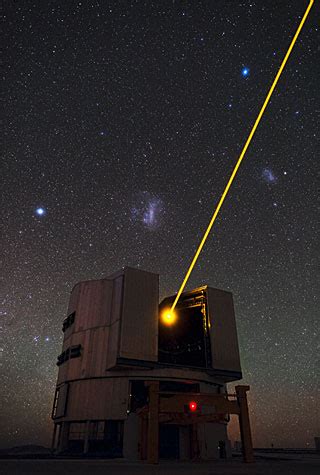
[122, 123]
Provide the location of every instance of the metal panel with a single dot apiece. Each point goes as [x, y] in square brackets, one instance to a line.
[96, 352]
[117, 299]
[98, 399]
[139, 322]
[94, 304]
[112, 352]
[62, 397]
[223, 331]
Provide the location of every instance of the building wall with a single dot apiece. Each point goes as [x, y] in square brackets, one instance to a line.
[116, 324]
[97, 399]
[210, 434]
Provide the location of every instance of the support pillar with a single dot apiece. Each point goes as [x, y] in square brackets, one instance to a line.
[244, 421]
[153, 422]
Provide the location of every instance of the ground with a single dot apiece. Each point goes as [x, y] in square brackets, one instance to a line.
[264, 465]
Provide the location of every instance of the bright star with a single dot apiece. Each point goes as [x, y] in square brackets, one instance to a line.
[245, 72]
[40, 211]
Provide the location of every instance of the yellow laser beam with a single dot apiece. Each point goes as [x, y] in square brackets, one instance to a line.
[224, 194]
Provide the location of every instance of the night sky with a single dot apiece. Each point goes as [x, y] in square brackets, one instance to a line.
[122, 123]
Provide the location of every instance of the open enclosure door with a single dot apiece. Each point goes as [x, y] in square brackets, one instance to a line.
[139, 318]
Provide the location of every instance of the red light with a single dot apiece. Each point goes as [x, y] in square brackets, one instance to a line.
[193, 406]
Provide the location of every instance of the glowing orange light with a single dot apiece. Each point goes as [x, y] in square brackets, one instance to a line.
[193, 406]
[168, 317]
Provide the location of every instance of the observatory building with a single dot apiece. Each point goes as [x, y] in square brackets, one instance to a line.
[138, 382]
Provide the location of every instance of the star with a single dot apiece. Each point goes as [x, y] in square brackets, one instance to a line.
[245, 72]
[40, 211]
